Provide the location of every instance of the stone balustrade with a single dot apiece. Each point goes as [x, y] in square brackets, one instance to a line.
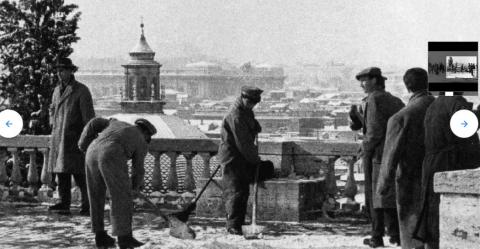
[174, 167]
[18, 183]
[459, 208]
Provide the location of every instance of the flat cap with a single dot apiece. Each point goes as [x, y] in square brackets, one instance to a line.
[370, 71]
[146, 125]
[251, 92]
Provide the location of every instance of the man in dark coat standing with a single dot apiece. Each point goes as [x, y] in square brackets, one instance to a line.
[71, 109]
[403, 155]
[379, 107]
[238, 153]
[443, 152]
[111, 143]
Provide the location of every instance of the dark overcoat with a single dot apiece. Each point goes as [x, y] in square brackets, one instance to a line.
[379, 107]
[238, 133]
[69, 113]
[443, 152]
[402, 163]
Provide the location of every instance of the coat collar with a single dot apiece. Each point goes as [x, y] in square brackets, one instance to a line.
[68, 90]
[418, 94]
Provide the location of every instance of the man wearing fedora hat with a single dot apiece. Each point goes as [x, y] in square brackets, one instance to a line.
[109, 144]
[71, 109]
[378, 107]
[238, 153]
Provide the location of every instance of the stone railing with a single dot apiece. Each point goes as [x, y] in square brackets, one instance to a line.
[24, 175]
[174, 167]
[459, 208]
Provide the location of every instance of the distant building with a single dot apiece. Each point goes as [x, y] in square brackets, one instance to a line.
[206, 80]
[141, 92]
[199, 80]
[142, 96]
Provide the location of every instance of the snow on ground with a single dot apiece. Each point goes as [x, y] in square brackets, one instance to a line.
[32, 226]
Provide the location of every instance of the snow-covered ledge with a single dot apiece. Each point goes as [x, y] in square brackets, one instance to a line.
[459, 208]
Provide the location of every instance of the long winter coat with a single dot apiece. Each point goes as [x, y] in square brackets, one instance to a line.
[69, 113]
[379, 107]
[402, 163]
[239, 129]
[443, 152]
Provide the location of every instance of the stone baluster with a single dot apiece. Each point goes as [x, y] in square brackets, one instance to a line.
[3, 167]
[16, 176]
[45, 177]
[206, 164]
[32, 176]
[157, 183]
[46, 191]
[172, 181]
[189, 182]
[351, 188]
[331, 181]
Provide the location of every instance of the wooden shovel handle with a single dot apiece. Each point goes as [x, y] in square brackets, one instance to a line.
[255, 195]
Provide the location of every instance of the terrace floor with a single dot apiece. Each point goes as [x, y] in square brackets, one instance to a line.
[24, 225]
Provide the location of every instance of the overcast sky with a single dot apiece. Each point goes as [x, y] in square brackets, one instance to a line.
[278, 32]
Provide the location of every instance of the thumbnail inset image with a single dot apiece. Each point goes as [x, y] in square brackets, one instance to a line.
[460, 67]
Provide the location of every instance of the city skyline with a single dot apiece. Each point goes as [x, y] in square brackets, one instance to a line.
[276, 32]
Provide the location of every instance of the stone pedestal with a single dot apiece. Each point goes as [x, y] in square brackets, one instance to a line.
[281, 200]
[459, 208]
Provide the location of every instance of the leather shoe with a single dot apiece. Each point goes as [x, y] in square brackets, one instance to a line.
[128, 241]
[103, 240]
[84, 212]
[395, 240]
[373, 242]
[60, 208]
[234, 231]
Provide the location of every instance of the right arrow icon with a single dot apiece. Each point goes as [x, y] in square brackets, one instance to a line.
[464, 123]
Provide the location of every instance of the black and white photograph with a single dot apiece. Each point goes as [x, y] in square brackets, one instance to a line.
[464, 67]
[222, 124]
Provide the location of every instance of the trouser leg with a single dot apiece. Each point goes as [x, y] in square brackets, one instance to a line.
[391, 222]
[64, 188]
[378, 225]
[80, 180]
[119, 185]
[96, 194]
[236, 191]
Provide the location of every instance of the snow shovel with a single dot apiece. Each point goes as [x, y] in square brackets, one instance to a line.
[254, 231]
[183, 215]
[178, 228]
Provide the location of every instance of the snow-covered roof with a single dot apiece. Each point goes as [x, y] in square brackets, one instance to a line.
[167, 126]
[279, 106]
[202, 64]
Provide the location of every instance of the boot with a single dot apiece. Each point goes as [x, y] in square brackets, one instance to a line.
[103, 240]
[61, 208]
[84, 212]
[374, 242]
[395, 240]
[128, 241]
[234, 231]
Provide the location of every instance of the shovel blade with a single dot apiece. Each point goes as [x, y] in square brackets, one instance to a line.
[253, 231]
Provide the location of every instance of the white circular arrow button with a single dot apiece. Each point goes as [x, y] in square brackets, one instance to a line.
[11, 123]
[464, 123]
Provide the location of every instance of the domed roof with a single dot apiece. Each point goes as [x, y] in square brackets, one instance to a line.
[142, 45]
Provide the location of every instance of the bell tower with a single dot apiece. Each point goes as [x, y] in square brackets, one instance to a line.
[142, 92]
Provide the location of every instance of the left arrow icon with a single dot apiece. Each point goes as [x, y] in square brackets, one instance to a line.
[8, 123]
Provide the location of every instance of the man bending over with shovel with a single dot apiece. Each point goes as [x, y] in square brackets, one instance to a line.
[111, 143]
[238, 153]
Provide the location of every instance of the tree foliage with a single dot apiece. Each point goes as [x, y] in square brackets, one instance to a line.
[33, 34]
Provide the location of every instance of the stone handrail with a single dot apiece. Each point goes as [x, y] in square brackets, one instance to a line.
[31, 145]
[305, 159]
